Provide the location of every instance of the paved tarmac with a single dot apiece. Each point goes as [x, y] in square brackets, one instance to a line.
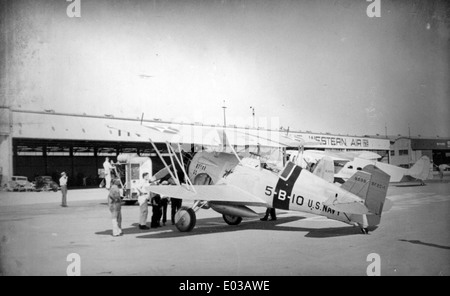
[37, 236]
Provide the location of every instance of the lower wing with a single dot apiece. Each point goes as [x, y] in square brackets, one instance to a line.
[216, 193]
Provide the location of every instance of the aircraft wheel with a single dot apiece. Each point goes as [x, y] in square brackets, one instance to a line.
[232, 220]
[185, 219]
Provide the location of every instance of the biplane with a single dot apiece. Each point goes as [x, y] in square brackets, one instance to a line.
[347, 163]
[231, 181]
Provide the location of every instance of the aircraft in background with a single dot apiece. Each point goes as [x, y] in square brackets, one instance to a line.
[420, 171]
[230, 185]
[347, 163]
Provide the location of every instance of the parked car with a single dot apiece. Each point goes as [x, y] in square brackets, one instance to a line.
[46, 183]
[19, 183]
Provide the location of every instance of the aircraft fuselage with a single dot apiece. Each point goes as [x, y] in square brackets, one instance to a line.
[294, 189]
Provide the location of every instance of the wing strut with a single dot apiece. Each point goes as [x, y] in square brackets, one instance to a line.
[163, 161]
[173, 163]
[171, 150]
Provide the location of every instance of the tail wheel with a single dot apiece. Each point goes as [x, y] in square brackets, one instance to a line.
[185, 219]
[232, 220]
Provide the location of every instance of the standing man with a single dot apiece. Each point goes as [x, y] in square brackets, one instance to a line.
[272, 213]
[143, 200]
[156, 211]
[441, 169]
[163, 204]
[107, 167]
[63, 184]
[175, 203]
[114, 203]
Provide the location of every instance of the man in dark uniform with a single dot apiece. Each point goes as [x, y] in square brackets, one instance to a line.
[175, 203]
[271, 212]
[163, 204]
[156, 211]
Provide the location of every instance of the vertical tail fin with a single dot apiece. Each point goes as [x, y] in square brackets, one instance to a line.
[325, 169]
[421, 169]
[371, 185]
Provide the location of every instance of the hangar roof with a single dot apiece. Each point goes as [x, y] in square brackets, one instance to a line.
[50, 125]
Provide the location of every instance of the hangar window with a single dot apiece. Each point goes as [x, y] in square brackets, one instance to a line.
[145, 152]
[83, 151]
[129, 150]
[58, 151]
[135, 171]
[106, 151]
[403, 152]
[29, 151]
[392, 152]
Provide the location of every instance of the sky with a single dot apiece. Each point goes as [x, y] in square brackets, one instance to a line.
[320, 66]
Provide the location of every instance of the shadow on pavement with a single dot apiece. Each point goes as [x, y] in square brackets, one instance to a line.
[418, 242]
[217, 225]
[132, 230]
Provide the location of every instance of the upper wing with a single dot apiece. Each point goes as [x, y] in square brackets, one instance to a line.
[351, 155]
[214, 138]
[171, 133]
[217, 193]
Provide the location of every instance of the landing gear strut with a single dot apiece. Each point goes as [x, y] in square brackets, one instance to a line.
[365, 230]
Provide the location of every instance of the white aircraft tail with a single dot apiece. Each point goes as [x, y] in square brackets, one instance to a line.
[421, 169]
[325, 169]
[371, 185]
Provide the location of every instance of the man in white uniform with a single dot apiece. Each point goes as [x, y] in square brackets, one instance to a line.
[143, 200]
[107, 167]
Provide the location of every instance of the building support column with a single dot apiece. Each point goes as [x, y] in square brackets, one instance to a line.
[6, 148]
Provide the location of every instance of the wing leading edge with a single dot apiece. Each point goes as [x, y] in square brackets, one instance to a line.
[216, 193]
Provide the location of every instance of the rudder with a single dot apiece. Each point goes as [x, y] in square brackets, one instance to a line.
[378, 186]
[325, 169]
[421, 169]
[371, 185]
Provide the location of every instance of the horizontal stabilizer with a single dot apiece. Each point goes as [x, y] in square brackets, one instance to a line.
[354, 206]
[219, 193]
[368, 190]
[352, 203]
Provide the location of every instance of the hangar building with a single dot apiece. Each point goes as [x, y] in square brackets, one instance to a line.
[405, 151]
[35, 143]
